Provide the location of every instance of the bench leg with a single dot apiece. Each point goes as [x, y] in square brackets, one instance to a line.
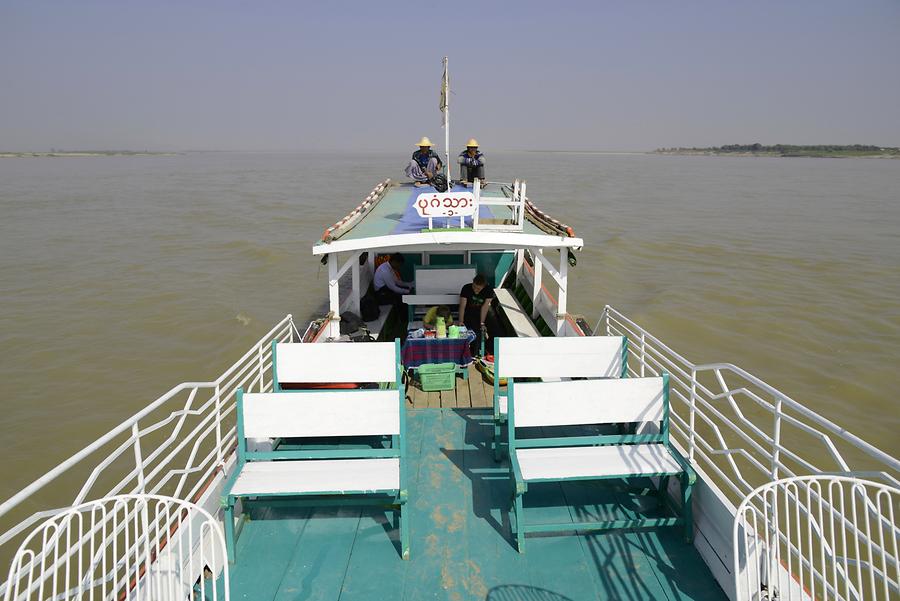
[519, 529]
[498, 455]
[404, 531]
[229, 530]
[686, 509]
[663, 490]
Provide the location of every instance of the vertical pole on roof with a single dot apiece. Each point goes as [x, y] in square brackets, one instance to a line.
[476, 188]
[445, 109]
[536, 290]
[520, 208]
[334, 303]
[563, 290]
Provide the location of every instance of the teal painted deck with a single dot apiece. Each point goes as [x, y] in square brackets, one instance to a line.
[460, 540]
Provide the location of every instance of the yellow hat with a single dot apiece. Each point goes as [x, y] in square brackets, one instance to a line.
[472, 142]
[424, 142]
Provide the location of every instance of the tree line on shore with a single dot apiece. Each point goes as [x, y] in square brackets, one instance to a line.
[789, 149]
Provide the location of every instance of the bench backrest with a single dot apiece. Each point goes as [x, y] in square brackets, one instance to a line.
[562, 357]
[446, 279]
[315, 414]
[334, 362]
[321, 413]
[583, 402]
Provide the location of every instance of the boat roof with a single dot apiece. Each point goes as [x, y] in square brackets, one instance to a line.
[387, 218]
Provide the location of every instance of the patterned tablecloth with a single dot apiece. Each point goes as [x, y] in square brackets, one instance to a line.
[419, 351]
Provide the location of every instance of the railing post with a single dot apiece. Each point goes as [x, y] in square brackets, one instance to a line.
[261, 365]
[776, 438]
[692, 414]
[643, 354]
[138, 458]
[219, 458]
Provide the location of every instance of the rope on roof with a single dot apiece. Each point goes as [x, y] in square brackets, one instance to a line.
[546, 222]
[350, 220]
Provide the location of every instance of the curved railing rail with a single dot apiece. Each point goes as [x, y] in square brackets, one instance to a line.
[127, 547]
[818, 537]
[741, 431]
[176, 446]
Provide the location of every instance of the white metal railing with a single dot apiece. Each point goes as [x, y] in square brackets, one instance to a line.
[177, 446]
[515, 203]
[741, 431]
[128, 547]
[818, 537]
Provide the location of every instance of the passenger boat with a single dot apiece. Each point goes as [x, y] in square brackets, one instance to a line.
[598, 463]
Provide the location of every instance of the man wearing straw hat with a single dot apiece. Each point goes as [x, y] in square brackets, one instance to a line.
[425, 163]
[471, 163]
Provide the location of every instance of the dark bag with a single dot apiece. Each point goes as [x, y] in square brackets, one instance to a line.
[350, 322]
[368, 306]
[439, 182]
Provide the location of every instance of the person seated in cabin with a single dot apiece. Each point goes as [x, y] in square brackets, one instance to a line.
[425, 163]
[389, 288]
[475, 311]
[471, 163]
[433, 313]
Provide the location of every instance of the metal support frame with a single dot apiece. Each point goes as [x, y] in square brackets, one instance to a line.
[536, 287]
[335, 273]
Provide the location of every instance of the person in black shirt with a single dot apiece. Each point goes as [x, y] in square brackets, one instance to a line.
[475, 310]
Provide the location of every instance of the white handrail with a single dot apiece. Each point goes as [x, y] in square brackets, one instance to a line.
[128, 547]
[199, 438]
[740, 430]
[817, 537]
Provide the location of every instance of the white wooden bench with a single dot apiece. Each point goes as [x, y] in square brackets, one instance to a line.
[552, 358]
[519, 320]
[299, 365]
[438, 285]
[596, 457]
[327, 473]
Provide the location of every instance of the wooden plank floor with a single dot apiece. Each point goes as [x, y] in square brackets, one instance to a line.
[471, 392]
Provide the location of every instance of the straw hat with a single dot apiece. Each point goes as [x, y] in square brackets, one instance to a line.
[472, 143]
[424, 142]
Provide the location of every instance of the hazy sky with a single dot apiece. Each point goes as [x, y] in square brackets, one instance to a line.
[525, 75]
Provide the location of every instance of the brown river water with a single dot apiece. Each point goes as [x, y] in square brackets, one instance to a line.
[123, 276]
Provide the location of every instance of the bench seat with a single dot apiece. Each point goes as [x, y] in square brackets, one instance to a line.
[336, 407]
[326, 476]
[516, 315]
[596, 401]
[552, 360]
[596, 462]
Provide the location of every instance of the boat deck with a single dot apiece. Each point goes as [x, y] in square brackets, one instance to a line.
[468, 393]
[461, 547]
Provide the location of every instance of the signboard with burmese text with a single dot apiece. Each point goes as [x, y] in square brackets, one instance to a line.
[445, 204]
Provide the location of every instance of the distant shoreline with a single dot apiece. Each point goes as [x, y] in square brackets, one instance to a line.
[856, 151]
[82, 153]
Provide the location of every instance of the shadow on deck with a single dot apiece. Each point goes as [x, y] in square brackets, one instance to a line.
[460, 540]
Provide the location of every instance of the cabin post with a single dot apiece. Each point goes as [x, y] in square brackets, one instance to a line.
[520, 264]
[334, 303]
[354, 277]
[563, 286]
[536, 290]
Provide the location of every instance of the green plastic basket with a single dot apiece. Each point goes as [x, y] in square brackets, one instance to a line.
[437, 376]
